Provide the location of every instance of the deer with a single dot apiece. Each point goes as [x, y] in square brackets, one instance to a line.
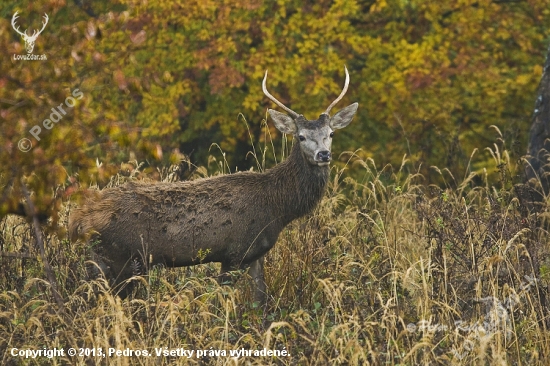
[233, 219]
[29, 40]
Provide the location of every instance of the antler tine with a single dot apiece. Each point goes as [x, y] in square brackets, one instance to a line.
[44, 24]
[264, 88]
[341, 94]
[35, 32]
[15, 26]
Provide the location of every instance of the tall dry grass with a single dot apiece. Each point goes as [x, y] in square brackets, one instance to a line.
[387, 271]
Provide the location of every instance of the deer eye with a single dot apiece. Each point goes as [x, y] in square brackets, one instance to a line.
[332, 134]
[302, 138]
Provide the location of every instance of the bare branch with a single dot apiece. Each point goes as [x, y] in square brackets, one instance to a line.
[40, 242]
[17, 255]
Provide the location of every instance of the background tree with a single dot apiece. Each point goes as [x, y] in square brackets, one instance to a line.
[539, 137]
[160, 78]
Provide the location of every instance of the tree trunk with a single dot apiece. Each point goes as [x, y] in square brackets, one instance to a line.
[538, 167]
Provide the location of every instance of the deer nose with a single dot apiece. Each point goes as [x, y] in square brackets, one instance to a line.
[324, 156]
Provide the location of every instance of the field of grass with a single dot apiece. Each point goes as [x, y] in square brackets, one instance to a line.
[386, 271]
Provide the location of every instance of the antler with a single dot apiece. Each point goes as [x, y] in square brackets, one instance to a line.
[16, 28]
[264, 88]
[43, 25]
[35, 33]
[341, 94]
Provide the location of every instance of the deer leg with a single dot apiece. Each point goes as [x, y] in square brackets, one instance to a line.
[97, 269]
[117, 271]
[256, 271]
[115, 274]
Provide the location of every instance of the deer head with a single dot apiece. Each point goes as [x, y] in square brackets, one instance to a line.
[315, 136]
[29, 40]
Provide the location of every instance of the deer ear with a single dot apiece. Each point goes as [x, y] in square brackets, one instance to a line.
[283, 122]
[343, 117]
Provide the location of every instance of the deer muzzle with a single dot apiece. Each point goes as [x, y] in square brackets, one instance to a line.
[323, 156]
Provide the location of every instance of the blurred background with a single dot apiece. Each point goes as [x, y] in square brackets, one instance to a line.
[162, 81]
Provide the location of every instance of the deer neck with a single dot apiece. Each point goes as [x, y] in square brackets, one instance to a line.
[298, 186]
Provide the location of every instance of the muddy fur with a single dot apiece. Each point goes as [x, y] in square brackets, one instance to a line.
[236, 218]
[232, 219]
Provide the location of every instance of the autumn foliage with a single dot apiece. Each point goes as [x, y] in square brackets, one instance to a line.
[422, 251]
[167, 78]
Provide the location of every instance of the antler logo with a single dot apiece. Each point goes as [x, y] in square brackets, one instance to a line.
[29, 40]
